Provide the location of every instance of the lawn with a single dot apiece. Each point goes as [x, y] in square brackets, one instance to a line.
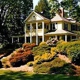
[9, 75]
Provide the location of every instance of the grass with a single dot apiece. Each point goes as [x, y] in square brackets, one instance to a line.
[9, 75]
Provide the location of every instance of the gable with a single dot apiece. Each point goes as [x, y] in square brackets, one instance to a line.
[34, 17]
[59, 18]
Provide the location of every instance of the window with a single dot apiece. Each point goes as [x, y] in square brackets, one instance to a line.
[28, 27]
[65, 26]
[28, 39]
[40, 26]
[73, 27]
[52, 27]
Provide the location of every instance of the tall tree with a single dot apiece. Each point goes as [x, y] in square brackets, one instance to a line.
[72, 7]
[54, 6]
[43, 8]
[12, 14]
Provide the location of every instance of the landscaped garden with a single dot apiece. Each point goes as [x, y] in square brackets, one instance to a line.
[47, 61]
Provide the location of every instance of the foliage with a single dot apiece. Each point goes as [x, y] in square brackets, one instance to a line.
[65, 69]
[39, 50]
[46, 66]
[28, 46]
[72, 49]
[54, 49]
[8, 48]
[5, 62]
[46, 57]
[31, 63]
[42, 43]
[20, 56]
[52, 42]
[72, 8]
[43, 8]
[12, 14]
[54, 6]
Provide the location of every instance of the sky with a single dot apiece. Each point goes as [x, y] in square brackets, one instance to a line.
[35, 2]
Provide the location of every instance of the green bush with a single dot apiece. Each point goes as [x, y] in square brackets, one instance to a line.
[65, 46]
[72, 49]
[65, 69]
[45, 67]
[46, 57]
[8, 48]
[31, 63]
[39, 50]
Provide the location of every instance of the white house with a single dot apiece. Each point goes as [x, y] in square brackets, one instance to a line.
[38, 28]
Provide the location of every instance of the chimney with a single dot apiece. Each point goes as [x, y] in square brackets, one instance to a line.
[61, 12]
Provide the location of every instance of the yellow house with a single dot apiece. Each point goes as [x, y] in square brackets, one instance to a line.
[38, 28]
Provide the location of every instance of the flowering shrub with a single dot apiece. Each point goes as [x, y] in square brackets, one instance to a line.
[42, 43]
[52, 42]
[28, 46]
[46, 57]
[20, 56]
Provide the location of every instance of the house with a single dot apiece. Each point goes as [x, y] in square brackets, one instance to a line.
[39, 28]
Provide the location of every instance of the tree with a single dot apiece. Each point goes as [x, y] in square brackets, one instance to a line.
[72, 7]
[43, 8]
[12, 14]
[54, 7]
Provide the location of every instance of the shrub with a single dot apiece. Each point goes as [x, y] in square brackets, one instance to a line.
[31, 63]
[46, 57]
[72, 49]
[8, 48]
[19, 59]
[20, 56]
[28, 46]
[41, 68]
[54, 49]
[65, 69]
[39, 50]
[52, 42]
[38, 59]
[46, 66]
[5, 62]
[42, 43]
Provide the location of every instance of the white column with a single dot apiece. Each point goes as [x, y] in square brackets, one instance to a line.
[30, 32]
[42, 31]
[55, 36]
[12, 39]
[36, 33]
[49, 26]
[18, 39]
[25, 33]
[66, 38]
